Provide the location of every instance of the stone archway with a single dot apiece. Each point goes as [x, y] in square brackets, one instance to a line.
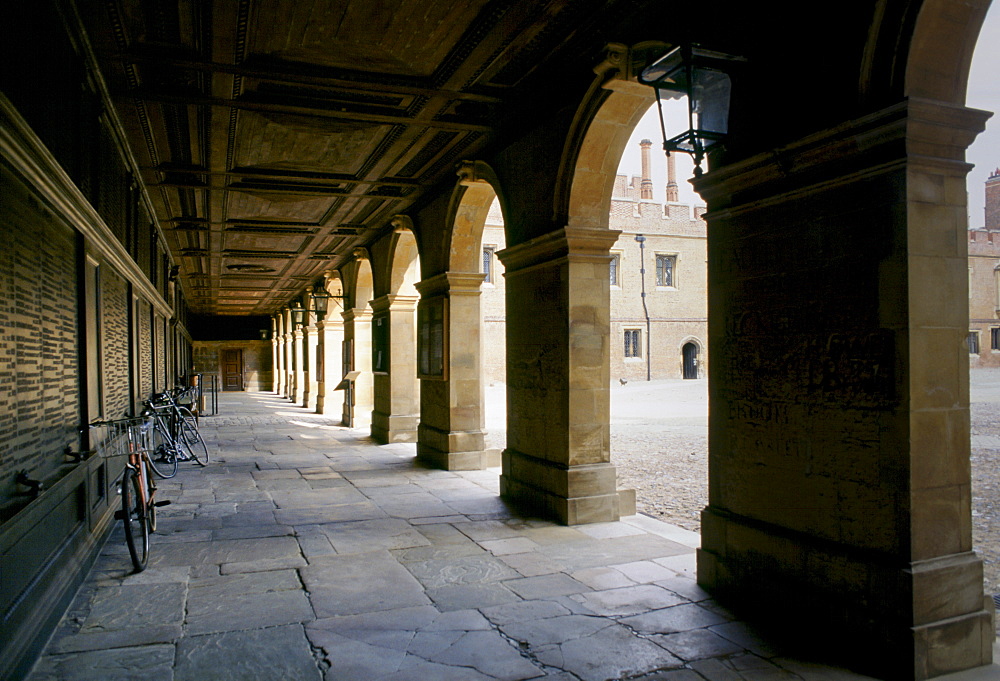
[451, 433]
[357, 350]
[394, 338]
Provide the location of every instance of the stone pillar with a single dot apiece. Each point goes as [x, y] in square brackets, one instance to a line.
[839, 484]
[289, 350]
[311, 354]
[451, 434]
[298, 366]
[358, 331]
[557, 461]
[397, 401]
[331, 345]
[277, 351]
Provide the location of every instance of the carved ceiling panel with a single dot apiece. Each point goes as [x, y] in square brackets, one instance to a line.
[276, 136]
[397, 37]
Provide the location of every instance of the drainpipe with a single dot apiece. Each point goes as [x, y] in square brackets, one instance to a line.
[642, 274]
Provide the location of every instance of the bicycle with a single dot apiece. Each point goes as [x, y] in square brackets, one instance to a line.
[176, 428]
[131, 437]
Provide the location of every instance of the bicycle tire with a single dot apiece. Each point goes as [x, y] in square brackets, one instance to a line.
[150, 490]
[162, 453]
[195, 443]
[134, 519]
[189, 416]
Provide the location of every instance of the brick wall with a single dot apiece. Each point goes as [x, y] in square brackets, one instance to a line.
[114, 343]
[39, 372]
[993, 201]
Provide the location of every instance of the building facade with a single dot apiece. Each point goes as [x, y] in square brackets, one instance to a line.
[984, 282]
[657, 277]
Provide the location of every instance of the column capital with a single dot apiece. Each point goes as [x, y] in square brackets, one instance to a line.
[394, 303]
[576, 243]
[357, 314]
[451, 283]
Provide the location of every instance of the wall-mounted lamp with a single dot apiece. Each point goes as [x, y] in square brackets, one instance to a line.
[321, 301]
[703, 77]
[298, 315]
[265, 334]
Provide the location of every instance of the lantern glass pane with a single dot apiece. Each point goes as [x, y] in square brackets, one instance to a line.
[711, 102]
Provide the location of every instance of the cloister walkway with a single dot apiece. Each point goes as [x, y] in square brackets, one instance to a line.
[307, 551]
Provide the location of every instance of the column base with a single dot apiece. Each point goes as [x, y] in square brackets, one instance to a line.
[575, 495]
[387, 428]
[454, 450]
[854, 608]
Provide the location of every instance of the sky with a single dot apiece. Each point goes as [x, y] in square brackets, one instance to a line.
[983, 93]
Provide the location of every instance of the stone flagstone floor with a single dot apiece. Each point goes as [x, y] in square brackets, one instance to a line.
[305, 552]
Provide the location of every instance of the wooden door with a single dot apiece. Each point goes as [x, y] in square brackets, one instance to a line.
[690, 351]
[232, 370]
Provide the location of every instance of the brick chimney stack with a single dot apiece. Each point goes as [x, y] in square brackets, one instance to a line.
[993, 202]
[672, 195]
[646, 188]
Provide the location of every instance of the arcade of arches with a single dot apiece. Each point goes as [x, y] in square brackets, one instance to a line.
[174, 171]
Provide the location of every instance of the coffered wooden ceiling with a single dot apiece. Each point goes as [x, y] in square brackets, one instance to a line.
[275, 136]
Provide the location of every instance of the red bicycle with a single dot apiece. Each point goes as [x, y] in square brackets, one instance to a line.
[131, 438]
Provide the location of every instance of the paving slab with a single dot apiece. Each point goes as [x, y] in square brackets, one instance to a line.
[611, 653]
[356, 583]
[276, 653]
[116, 664]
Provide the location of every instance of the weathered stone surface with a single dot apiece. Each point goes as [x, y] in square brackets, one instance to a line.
[674, 619]
[697, 644]
[363, 582]
[116, 607]
[545, 586]
[224, 551]
[121, 664]
[283, 652]
[465, 596]
[488, 652]
[552, 630]
[611, 653]
[370, 535]
[628, 600]
[464, 570]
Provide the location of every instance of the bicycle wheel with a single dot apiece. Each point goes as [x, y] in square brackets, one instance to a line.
[188, 416]
[162, 453]
[194, 442]
[134, 516]
[150, 489]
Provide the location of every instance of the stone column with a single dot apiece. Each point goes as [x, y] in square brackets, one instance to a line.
[557, 461]
[289, 354]
[397, 402]
[331, 401]
[298, 366]
[358, 330]
[451, 432]
[278, 354]
[311, 354]
[839, 483]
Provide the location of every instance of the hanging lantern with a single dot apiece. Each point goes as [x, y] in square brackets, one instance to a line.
[702, 76]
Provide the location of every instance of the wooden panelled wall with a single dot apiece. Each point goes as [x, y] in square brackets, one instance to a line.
[90, 323]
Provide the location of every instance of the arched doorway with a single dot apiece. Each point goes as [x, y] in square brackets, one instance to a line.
[689, 357]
